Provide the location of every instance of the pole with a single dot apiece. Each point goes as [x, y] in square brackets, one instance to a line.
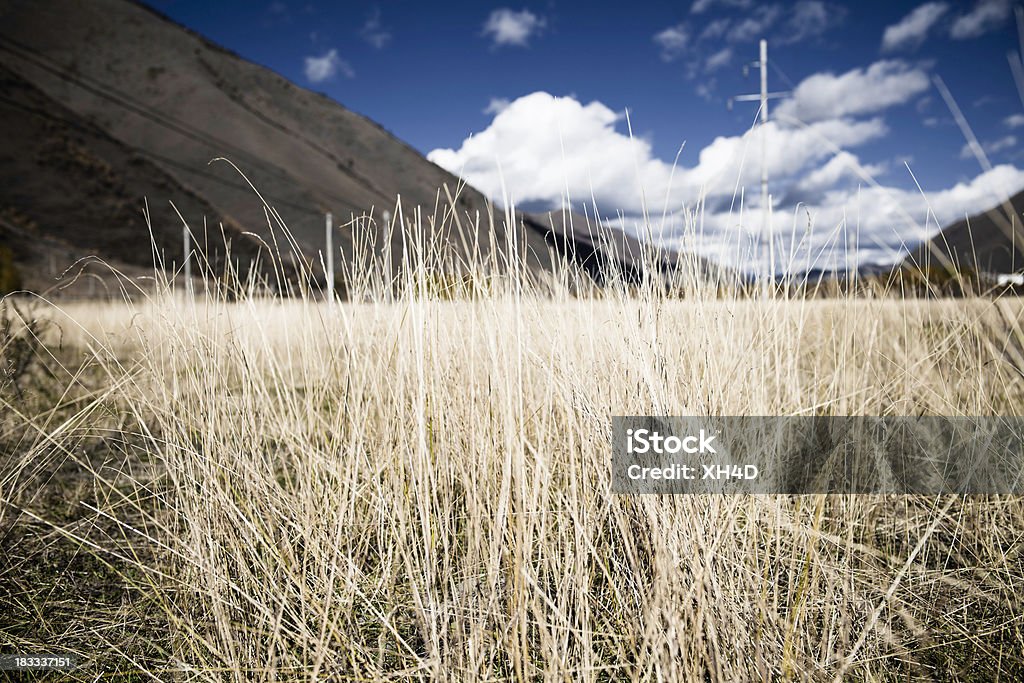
[188, 259]
[330, 255]
[763, 97]
[764, 136]
[765, 209]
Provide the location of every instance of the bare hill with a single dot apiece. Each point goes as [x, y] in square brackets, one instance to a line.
[989, 242]
[69, 190]
[169, 102]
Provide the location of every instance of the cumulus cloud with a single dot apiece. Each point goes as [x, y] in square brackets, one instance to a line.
[986, 16]
[911, 30]
[508, 27]
[549, 150]
[843, 228]
[1014, 121]
[326, 66]
[841, 167]
[858, 91]
[673, 41]
[522, 148]
[373, 32]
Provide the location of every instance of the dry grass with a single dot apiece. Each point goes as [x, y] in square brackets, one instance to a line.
[419, 488]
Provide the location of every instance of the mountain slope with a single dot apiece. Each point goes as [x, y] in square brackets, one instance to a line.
[180, 102]
[988, 242]
[68, 188]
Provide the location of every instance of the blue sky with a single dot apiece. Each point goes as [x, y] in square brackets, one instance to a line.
[541, 87]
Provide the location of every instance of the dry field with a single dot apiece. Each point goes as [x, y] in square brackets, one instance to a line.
[418, 488]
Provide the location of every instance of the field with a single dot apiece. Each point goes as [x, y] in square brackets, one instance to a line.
[417, 487]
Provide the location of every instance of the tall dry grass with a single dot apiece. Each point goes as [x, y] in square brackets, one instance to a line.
[411, 486]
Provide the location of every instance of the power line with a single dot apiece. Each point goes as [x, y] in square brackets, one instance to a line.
[782, 74]
[167, 160]
[128, 103]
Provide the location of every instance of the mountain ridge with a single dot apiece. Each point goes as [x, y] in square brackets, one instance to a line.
[182, 100]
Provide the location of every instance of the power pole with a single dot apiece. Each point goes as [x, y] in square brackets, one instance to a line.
[763, 63]
[763, 98]
[328, 233]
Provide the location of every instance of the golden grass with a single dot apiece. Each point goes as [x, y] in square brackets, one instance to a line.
[419, 488]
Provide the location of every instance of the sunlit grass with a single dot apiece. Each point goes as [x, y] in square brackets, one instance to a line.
[416, 485]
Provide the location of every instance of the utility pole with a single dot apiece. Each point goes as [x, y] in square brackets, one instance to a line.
[763, 63]
[763, 98]
[328, 233]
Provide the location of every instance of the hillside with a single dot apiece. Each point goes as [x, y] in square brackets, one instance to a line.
[153, 104]
[988, 242]
[69, 190]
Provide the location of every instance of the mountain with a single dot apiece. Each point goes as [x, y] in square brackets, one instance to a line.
[107, 104]
[989, 242]
[69, 190]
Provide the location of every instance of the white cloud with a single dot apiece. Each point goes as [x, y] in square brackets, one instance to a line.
[715, 29]
[811, 18]
[968, 151]
[673, 41]
[719, 59]
[865, 224]
[840, 167]
[540, 146]
[986, 16]
[325, 67]
[755, 25]
[373, 32]
[497, 105]
[521, 150]
[700, 6]
[882, 85]
[701, 46]
[1014, 121]
[911, 30]
[508, 27]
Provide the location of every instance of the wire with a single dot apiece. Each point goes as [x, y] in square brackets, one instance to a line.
[782, 74]
[174, 124]
[173, 162]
